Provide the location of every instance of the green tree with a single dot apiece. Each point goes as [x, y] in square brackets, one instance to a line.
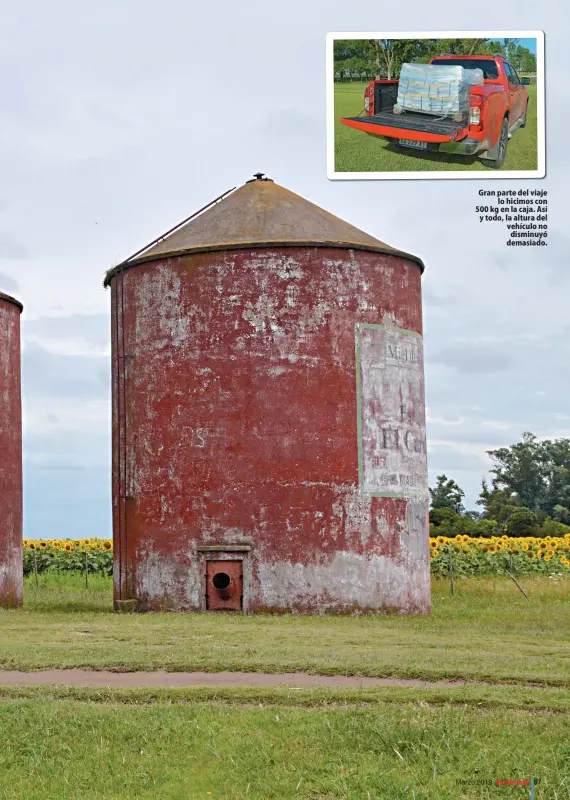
[388, 55]
[561, 514]
[351, 55]
[518, 470]
[447, 494]
[522, 59]
[510, 47]
[551, 527]
[349, 48]
[383, 58]
[497, 503]
[521, 522]
[537, 473]
[486, 528]
[443, 518]
[457, 47]
[446, 522]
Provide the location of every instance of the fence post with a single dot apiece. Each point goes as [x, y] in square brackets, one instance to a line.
[512, 577]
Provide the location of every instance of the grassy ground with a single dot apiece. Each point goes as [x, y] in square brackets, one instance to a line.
[487, 631]
[63, 743]
[59, 748]
[358, 152]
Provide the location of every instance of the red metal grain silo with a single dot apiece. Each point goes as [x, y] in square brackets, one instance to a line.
[11, 583]
[269, 445]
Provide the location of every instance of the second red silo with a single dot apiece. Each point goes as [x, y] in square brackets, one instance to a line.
[11, 575]
[269, 447]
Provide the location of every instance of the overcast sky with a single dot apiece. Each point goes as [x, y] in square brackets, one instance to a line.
[121, 118]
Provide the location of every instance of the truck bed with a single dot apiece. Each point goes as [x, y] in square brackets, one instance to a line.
[413, 121]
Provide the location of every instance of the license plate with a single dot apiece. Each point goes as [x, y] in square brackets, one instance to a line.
[412, 143]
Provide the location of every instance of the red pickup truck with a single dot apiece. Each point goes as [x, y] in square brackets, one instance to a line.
[496, 110]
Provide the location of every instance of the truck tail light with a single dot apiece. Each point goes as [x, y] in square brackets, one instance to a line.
[475, 109]
[366, 103]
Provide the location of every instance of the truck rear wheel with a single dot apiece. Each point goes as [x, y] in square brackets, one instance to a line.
[496, 156]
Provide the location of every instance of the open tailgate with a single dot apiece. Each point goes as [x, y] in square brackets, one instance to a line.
[412, 126]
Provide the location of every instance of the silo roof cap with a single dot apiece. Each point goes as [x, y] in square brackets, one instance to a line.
[9, 299]
[261, 214]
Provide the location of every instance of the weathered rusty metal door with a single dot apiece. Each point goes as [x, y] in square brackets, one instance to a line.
[224, 585]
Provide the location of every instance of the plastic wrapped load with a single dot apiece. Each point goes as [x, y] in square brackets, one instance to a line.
[436, 89]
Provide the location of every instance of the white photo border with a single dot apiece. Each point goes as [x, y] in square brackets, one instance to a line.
[540, 172]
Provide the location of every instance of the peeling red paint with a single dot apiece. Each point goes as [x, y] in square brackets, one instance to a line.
[235, 423]
[11, 581]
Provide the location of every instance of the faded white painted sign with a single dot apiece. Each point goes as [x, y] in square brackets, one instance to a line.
[391, 412]
[416, 534]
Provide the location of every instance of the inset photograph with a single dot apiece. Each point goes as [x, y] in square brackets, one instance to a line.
[436, 105]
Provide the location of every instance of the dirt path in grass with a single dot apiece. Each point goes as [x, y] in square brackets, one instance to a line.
[86, 677]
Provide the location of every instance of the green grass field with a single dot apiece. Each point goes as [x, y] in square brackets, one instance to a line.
[389, 742]
[55, 749]
[487, 631]
[358, 152]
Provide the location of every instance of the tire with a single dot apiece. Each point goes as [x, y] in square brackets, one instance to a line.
[499, 151]
[523, 123]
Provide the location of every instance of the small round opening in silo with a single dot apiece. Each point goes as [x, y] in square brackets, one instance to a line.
[221, 580]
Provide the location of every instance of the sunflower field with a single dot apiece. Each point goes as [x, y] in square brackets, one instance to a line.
[527, 555]
[466, 555]
[68, 555]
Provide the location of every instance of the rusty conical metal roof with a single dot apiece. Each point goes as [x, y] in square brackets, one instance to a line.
[261, 214]
[9, 299]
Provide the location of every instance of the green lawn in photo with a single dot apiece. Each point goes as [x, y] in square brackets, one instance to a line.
[64, 749]
[69, 743]
[355, 151]
[487, 631]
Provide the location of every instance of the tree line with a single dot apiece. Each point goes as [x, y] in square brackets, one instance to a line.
[528, 495]
[383, 58]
